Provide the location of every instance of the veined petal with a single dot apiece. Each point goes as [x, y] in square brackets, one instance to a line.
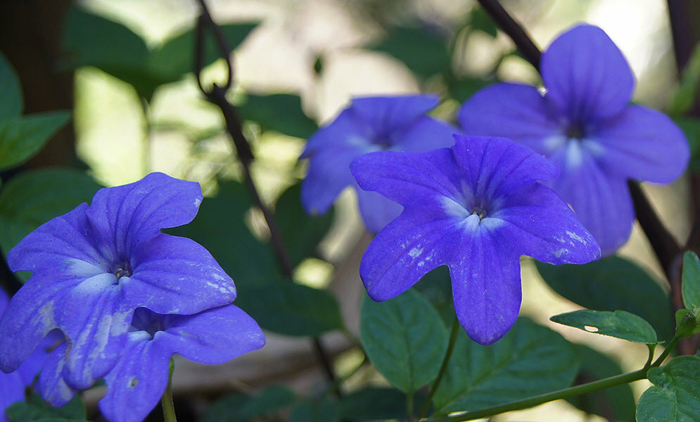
[642, 144]
[485, 285]
[176, 275]
[513, 111]
[211, 337]
[51, 385]
[389, 114]
[537, 223]
[586, 75]
[376, 210]
[426, 134]
[129, 214]
[137, 382]
[601, 202]
[408, 248]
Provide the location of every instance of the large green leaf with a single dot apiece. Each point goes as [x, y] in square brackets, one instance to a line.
[279, 112]
[436, 286]
[691, 281]
[241, 407]
[22, 137]
[423, 53]
[616, 403]
[292, 309]
[10, 91]
[612, 284]
[618, 324]
[528, 360]
[404, 338]
[36, 410]
[675, 395]
[301, 233]
[373, 403]
[33, 198]
[321, 410]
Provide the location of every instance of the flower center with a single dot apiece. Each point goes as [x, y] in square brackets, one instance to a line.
[123, 269]
[480, 211]
[575, 131]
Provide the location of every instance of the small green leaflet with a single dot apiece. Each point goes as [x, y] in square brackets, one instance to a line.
[619, 324]
[675, 395]
[691, 281]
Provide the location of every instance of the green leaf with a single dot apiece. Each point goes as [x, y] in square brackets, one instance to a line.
[10, 91]
[691, 281]
[321, 410]
[436, 286]
[292, 309]
[618, 324]
[687, 91]
[481, 20]
[22, 137]
[36, 410]
[612, 284]
[675, 395]
[529, 360]
[616, 403]
[279, 112]
[301, 233]
[465, 87]
[35, 197]
[423, 53]
[241, 407]
[691, 128]
[373, 403]
[404, 338]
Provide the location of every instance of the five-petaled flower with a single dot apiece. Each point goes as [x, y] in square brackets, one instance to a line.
[585, 125]
[475, 207]
[91, 269]
[369, 124]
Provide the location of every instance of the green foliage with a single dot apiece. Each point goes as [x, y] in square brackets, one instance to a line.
[691, 128]
[36, 410]
[241, 407]
[436, 286]
[618, 324]
[91, 40]
[320, 410]
[423, 53]
[33, 198]
[616, 403]
[280, 113]
[675, 396]
[480, 20]
[291, 309]
[301, 233]
[691, 281]
[687, 92]
[22, 137]
[10, 91]
[529, 360]
[463, 88]
[404, 338]
[612, 284]
[373, 403]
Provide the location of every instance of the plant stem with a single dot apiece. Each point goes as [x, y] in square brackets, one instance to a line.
[443, 368]
[167, 402]
[544, 398]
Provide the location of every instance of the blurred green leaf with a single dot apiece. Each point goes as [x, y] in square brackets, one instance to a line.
[10, 91]
[22, 137]
[279, 112]
[611, 284]
[404, 338]
[300, 232]
[373, 403]
[691, 281]
[529, 360]
[423, 53]
[241, 407]
[316, 410]
[465, 87]
[691, 128]
[687, 91]
[618, 324]
[36, 410]
[616, 403]
[481, 20]
[35, 197]
[291, 309]
[675, 395]
[436, 286]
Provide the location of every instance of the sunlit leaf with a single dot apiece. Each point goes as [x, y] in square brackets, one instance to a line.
[618, 324]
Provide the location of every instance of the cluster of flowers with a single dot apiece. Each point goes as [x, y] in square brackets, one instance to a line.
[481, 204]
[117, 298]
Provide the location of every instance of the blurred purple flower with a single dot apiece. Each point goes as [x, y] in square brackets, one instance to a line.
[95, 265]
[476, 207]
[140, 377]
[369, 124]
[585, 125]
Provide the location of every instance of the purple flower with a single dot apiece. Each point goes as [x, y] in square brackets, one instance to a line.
[369, 124]
[140, 377]
[95, 265]
[476, 207]
[585, 125]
